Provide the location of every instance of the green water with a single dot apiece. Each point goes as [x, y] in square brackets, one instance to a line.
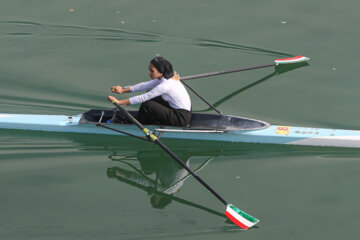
[68, 186]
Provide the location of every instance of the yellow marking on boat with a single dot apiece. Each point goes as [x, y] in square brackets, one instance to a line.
[283, 130]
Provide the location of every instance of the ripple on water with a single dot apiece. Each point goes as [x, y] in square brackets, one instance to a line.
[28, 28]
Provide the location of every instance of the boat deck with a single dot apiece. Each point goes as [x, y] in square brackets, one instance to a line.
[198, 120]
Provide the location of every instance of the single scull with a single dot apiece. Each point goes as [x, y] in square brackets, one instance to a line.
[210, 127]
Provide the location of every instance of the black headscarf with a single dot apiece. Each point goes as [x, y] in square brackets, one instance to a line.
[163, 66]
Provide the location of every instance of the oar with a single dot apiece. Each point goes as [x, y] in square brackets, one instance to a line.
[276, 62]
[237, 216]
[280, 69]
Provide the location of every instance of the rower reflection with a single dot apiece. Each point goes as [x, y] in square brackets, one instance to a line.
[159, 176]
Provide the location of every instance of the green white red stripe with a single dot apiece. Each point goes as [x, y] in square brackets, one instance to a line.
[296, 59]
[240, 218]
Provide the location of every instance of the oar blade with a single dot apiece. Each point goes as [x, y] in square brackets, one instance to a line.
[296, 59]
[239, 217]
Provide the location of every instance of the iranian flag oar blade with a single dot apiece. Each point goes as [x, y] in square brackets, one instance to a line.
[276, 62]
[296, 59]
[240, 218]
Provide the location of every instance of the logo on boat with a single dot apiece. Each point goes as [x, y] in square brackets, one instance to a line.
[282, 130]
[6, 116]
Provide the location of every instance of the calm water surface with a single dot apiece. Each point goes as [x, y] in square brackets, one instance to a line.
[61, 57]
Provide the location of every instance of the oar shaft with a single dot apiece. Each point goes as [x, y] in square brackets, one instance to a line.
[226, 71]
[128, 115]
[167, 150]
[190, 171]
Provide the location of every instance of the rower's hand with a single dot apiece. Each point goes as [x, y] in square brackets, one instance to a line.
[112, 99]
[117, 89]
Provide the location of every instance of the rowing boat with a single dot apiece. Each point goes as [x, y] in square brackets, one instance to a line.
[211, 127]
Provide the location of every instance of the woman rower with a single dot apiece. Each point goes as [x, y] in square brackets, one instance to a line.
[166, 103]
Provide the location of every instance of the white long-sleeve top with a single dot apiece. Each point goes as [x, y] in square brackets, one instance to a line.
[170, 90]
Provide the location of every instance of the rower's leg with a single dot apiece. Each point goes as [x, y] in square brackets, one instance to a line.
[153, 112]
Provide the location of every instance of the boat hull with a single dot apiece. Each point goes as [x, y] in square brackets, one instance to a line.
[271, 134]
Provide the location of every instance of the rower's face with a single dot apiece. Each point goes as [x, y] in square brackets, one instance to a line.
[154, 73]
